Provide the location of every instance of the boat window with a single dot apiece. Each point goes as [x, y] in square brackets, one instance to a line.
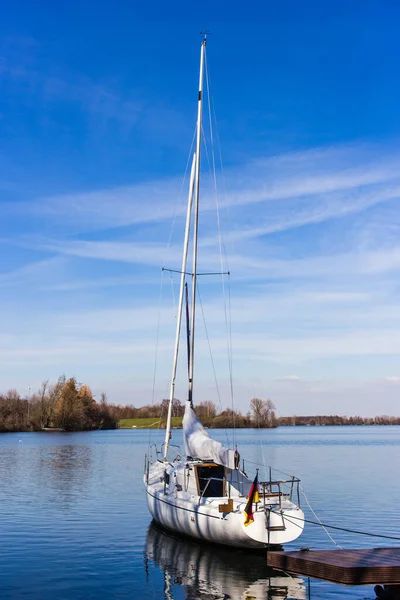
[211, 480]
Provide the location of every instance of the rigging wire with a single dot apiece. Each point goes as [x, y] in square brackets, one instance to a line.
[166, 394]
[211, 355]
[302, 491]
[277, 470]
[261, 445]
[173, 291]
[226, 198]
[162, 278]
[162, 407]
[222, 253]
[219, 397]
[156, 350]
[181, 189]
[221, 164]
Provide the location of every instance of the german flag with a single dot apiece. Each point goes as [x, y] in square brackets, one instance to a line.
[252, 497]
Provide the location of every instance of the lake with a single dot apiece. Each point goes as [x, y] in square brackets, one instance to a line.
[74, 520]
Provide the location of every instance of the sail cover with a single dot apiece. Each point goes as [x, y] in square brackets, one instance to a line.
[198, 443]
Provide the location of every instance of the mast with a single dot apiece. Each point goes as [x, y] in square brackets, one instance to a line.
[194, 189]
[196, 215]
[180, 304]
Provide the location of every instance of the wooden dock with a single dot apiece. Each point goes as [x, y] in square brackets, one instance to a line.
[348, 567]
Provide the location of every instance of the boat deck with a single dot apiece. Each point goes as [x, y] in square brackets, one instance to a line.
[366, 566]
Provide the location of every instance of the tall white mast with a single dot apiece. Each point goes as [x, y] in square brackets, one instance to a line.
[194, 188]
[180, 304]
[196, 216]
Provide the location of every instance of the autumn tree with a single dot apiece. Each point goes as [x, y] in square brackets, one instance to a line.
[13, 412]
[69, 410]
[53, 397]
[91, 418]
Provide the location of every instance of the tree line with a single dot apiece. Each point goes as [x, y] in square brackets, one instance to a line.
[261, 413]
[338, 420]
[65, 405]
[70, 406]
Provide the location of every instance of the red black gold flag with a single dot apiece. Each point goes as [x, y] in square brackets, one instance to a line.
[252, 497]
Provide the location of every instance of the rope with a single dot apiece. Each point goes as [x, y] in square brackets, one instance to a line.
[345, 529]
[318, 519]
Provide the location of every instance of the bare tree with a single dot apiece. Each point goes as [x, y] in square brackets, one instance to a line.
[44, 404]
[263, 412]
[177, 408]
[207, 409]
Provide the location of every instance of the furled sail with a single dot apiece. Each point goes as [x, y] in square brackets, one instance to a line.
[198, 444]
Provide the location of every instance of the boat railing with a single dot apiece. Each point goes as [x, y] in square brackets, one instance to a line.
[178, 452]
[271, 492]
[279, 490]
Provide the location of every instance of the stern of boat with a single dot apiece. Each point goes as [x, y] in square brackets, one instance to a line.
[278, 518]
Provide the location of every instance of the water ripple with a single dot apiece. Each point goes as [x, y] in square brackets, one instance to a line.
[74, 523]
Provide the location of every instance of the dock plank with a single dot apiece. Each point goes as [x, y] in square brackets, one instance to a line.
[367, 566]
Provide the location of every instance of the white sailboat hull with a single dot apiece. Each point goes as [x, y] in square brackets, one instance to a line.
[200, 518]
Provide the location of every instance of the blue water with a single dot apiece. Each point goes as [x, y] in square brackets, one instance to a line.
[74, 522]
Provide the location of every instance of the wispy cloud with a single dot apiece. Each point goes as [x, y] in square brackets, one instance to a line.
[25, 68]
[393, 379]
[35, 272]
[244, 265]
[314, 276]
[291, 191]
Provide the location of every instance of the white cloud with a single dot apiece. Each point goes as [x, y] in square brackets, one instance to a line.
[34, 272]
[22, 67]
[296, 189]
[321, 301]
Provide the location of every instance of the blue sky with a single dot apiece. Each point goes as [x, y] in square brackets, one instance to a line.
[97, 113]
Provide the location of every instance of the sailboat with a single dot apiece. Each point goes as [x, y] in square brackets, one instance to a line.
[205, 494]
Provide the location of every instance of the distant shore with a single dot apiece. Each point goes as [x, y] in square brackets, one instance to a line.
[147, 423]
[315, 421]
[68, 405]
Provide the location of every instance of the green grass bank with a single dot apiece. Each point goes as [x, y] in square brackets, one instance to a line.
[148, 423]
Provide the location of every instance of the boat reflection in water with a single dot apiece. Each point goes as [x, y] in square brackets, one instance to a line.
[210, 572]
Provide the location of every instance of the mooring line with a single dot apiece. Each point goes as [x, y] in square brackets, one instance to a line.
[377, 535]
[318, 519]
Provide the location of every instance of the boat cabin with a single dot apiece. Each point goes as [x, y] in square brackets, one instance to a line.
[211, 480]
